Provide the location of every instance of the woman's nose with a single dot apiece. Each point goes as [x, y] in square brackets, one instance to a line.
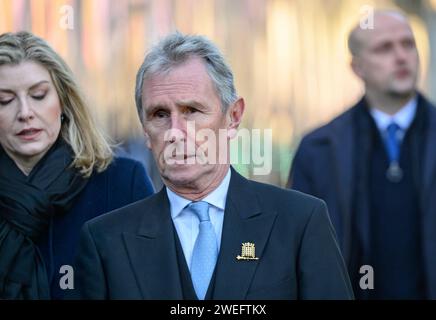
[25, 112]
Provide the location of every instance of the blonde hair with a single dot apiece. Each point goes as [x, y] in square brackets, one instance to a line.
[90, 147]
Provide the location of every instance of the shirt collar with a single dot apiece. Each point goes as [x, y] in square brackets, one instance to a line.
[217, 197]
[403, 117]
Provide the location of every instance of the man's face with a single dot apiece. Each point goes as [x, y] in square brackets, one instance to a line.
[172, 100]
[388, 60]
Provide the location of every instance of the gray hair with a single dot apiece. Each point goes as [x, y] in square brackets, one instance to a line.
[177, 48]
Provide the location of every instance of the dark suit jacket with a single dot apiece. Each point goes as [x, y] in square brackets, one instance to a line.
[131, 253]
[123, 182]
[324, 167]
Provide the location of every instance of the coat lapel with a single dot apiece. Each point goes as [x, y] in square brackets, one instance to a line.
[244, 221]
[430, 153]
[428, 213]
[152, 252]
[341, 139]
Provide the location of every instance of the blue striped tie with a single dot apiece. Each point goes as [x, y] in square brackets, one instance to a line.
[205, 251]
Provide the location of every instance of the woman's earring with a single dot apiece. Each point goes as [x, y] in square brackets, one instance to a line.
[62, 118]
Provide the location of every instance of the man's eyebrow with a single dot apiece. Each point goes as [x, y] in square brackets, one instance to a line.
[32, 87]
[153, 108]
[191, 103]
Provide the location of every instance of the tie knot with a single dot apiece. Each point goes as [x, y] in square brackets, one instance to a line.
[201, 209]
[393, 128]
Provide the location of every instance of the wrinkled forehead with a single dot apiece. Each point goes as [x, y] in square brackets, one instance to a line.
[190, 76]
[183, 68]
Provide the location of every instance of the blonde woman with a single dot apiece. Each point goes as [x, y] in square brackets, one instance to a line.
[56, 169]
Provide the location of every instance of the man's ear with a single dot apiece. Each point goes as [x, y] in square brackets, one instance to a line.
[234, 116]
[356, 67]
[147, 139]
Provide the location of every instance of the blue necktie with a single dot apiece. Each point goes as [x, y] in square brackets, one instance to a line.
[205, 251]
[392, 142]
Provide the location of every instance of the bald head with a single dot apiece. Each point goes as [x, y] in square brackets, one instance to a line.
[383, 19]
[386, 59]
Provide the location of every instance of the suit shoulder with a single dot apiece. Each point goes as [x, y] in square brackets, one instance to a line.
[126, 218]
[431, 108]
[120, 168]
[122, 164]
[341, 121]
[294, 209]
[285, 199]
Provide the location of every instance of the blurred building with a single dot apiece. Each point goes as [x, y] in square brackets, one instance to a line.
[289, 56]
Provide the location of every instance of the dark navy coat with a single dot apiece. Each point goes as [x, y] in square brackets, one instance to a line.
[123, 182]
[324, 167]
[131, 252]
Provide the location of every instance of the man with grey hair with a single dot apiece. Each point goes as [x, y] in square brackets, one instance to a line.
[375, 166]
[209, 233]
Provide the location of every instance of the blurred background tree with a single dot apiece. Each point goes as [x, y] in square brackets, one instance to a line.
[289, 57]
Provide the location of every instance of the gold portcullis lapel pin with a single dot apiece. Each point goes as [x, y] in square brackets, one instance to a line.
[248, 252]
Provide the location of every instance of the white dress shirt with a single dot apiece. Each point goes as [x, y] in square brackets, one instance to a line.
[187, 222]
[403, 118]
